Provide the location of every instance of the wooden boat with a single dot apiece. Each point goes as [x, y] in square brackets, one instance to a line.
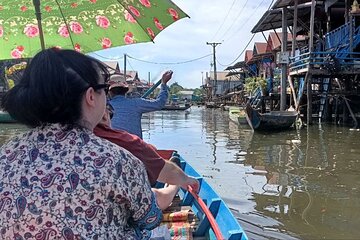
[211, 105]
[169, 107]
[237, 115]
[6, 118]
[272, 121]
[215, 218]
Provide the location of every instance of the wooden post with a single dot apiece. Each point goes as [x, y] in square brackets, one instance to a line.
[311, 49]
[293, 43]
[351, 112]
[351, 32]
[293, 47]
[283, 65]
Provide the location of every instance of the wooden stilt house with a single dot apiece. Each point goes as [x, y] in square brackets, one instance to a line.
[323, 72]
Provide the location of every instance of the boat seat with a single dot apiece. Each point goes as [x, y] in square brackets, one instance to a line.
[180, 220]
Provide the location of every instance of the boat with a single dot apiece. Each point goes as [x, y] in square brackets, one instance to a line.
[211, 105]
[237, 115]
[171, 107]
[215, 218]
[271, 121]
[6, 118]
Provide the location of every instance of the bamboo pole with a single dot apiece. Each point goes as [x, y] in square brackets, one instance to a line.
[38, 18]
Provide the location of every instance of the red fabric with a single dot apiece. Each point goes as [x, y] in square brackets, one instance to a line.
[145, 152]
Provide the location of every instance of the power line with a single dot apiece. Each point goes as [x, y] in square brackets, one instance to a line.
[247, 20]
[227, 30]
[241, 52]
[226, 16]
[170, 63]
[130, 65]
[108, 58]
[250, 38]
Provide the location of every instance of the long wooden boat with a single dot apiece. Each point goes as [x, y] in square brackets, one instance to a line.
[215, 218]
[6, 118]
[272, 121]
[237, 115]
[176, 107]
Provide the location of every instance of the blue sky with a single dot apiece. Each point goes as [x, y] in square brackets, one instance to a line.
[225, 21]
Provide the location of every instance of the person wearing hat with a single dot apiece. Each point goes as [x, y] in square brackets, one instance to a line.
[128, 111]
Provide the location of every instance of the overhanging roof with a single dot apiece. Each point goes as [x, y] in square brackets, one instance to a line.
[272, 19]
[233, 73]
[287, 3]
[236, 65]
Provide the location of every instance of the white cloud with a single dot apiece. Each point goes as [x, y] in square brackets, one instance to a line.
[186, 39]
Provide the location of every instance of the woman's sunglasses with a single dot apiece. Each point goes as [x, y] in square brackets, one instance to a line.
[104, 86]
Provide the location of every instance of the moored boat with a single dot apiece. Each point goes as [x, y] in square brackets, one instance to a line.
[237, 115]
[170, 107]
[215, 218]
[272, 121]
[6, 118]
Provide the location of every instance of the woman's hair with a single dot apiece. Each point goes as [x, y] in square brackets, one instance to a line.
[52, 87]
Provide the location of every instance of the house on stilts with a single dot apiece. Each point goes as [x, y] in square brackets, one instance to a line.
[322, 70]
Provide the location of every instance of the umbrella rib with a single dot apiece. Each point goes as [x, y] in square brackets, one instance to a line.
[147, 34]
[66, 24]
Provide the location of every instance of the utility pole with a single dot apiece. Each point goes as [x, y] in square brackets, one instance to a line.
[214, 44]
[284, 64]
[125, 67]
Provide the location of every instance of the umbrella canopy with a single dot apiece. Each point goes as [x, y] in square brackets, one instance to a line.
[27, 26]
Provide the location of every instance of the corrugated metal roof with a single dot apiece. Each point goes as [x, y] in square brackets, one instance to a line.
[259, 48]
[236, 66]
[272, 19]
[286, 3]
[112, 65]
[274, 41]
[248, 55]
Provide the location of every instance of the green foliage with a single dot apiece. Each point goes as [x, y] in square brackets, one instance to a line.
[199, 92]
[175, 88]
[252, 83]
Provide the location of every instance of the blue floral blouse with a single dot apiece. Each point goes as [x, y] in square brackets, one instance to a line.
[61, 182]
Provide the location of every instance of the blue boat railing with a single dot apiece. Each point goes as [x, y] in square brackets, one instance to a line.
[230, 228]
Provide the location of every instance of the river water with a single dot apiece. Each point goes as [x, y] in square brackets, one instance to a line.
[299, 184]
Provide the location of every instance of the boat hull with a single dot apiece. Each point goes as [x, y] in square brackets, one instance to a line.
[6, 118]
[176, 107]
[227, 223]
[237, 115]
[272, 121]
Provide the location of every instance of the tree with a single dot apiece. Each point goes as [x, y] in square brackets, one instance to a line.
[175, 88]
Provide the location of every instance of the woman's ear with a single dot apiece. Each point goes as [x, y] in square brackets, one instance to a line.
[90, 97]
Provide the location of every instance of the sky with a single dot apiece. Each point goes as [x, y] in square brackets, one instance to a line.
[228, 22]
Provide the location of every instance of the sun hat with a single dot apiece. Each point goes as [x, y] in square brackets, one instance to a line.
[119, 85]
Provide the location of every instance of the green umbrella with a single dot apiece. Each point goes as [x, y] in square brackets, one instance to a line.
[27, 26]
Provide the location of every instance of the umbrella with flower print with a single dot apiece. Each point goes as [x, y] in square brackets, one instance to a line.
[27, 26]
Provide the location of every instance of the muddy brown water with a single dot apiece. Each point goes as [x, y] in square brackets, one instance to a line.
[298, 184]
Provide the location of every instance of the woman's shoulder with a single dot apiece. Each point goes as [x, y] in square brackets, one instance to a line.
[114, 151]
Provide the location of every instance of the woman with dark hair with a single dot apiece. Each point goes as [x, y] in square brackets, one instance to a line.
[58, 180]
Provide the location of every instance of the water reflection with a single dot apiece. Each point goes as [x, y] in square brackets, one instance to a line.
[295, 184]
[306, 187]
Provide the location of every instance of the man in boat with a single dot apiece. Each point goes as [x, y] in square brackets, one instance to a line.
[128, 111]
[156, 167]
